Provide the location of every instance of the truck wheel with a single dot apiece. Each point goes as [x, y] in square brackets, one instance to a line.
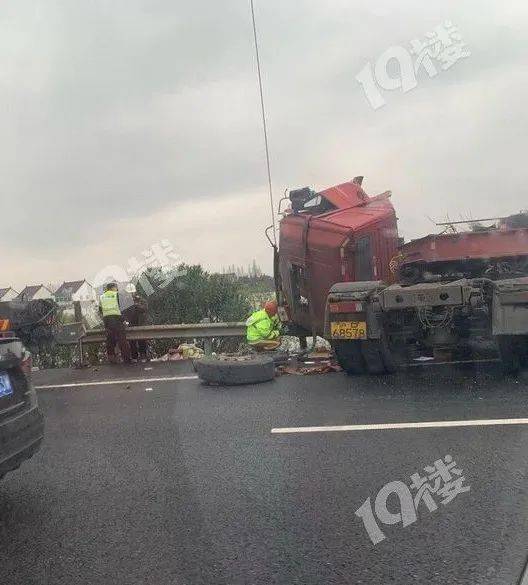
[389, 361]
[523, 350]
[348, 354]
[370, 348]
[509, 353]
[378, 356]
[235, 372]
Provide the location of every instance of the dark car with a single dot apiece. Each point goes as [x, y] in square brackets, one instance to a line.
[21, 422]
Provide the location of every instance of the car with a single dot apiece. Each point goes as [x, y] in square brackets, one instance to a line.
[21, 421]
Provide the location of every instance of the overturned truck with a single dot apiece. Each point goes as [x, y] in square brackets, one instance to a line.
[343, 272]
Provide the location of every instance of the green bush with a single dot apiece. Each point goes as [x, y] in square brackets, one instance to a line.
[193, 294]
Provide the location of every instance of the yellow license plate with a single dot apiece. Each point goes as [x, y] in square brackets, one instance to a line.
[349, 329]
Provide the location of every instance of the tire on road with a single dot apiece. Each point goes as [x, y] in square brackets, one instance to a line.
[234, 373]
[349, 357]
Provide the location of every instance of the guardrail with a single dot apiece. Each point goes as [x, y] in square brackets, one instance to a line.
[180, 331]
[205, 331]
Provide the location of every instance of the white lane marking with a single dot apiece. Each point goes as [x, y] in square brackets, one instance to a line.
[453, 363]
[408, 425]
[109, 382]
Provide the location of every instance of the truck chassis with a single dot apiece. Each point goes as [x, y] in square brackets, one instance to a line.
[375, 328]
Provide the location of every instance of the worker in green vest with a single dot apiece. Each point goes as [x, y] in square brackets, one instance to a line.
[114, 324]
[263, 328]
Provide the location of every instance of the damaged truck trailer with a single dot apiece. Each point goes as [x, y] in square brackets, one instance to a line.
[342, 272]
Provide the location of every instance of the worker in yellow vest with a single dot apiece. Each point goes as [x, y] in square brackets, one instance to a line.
[263, 328]
[114, 324]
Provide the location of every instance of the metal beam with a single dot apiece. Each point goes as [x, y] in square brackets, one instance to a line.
[471, 221]
[180, 331]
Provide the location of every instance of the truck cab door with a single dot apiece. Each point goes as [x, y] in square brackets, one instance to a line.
[363, 259]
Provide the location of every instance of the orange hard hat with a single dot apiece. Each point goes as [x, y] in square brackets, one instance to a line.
[271, 308]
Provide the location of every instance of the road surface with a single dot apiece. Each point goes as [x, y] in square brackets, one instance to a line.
[148, 477]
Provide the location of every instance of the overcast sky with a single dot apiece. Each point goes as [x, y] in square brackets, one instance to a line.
[126, 122]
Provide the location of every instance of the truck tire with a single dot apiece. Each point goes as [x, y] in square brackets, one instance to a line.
[523, 350]
[349, 357]
[234, 373]
[370, 349]
[389, 360]
[378, 356]
[509, 353]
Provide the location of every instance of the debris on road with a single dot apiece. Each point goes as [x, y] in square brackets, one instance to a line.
[320, 361]
[301, 369]
[184, 351]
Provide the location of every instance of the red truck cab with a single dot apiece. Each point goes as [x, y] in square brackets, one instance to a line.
[336, 235]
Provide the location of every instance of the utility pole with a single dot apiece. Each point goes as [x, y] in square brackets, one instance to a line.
[264, 123]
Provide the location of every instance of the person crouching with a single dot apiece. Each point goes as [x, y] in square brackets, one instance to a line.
[263, 328]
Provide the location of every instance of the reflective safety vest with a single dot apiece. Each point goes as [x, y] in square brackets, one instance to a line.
[260, 326]
[109, 303]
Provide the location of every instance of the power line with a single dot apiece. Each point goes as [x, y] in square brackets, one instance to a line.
[264, 123]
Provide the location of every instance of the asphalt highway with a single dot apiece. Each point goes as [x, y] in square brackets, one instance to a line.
[148, 477]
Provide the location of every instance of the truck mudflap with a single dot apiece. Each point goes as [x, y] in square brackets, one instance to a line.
[510, 307]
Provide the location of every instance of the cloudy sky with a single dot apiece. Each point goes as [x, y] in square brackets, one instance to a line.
[125, 122]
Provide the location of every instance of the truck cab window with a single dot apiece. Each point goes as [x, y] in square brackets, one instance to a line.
[306, 200]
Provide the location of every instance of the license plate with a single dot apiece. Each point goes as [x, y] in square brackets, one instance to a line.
[6, 388]
[349, 329]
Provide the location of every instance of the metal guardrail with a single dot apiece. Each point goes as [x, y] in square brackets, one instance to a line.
[75, 333]
[180, 331]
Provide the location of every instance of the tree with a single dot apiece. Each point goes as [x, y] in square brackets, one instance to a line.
[254, 270]
[190, 294]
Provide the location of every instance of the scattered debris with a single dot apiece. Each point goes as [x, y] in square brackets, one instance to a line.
[320, 361]
[184, 351]
[233, 357]
[189, 350]
[302, 369]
